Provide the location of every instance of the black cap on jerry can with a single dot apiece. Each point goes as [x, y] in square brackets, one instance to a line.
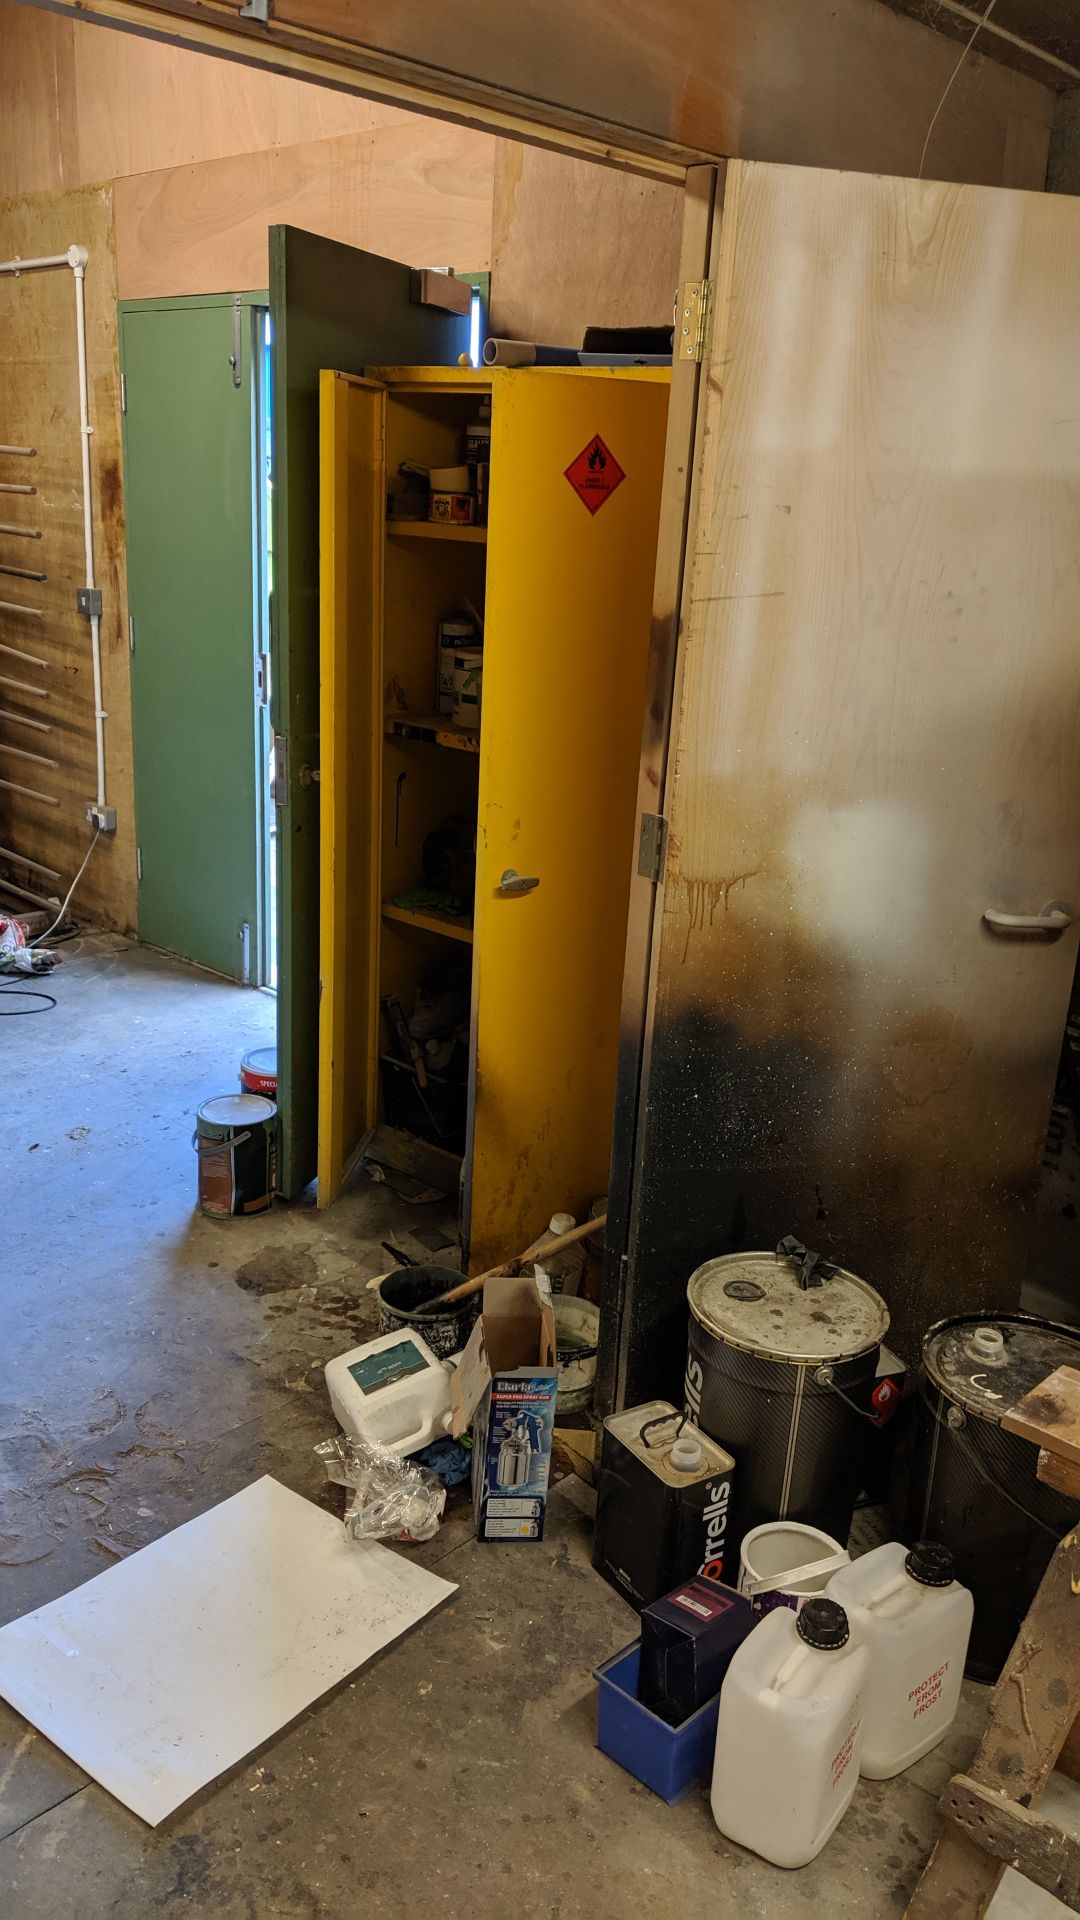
[931, 1564]
[822, 1623]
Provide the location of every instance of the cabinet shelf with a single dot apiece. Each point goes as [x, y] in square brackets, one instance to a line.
[429, 921]
[436, 530]
[437, 727]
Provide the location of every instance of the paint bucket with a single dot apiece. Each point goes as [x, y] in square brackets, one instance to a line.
[258, 1072]
[577, 1335]
[974, 1486]
[451, 509]
[468, 679]
[455, 632]
[400, 1294]
[781, 1375]
[782, 1562]
[236, 1140]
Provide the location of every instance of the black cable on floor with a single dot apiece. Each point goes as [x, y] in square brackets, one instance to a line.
[24, 993]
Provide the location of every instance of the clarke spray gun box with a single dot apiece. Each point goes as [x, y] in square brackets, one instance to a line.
[505, 1384]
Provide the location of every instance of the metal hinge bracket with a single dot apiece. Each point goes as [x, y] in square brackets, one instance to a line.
[691, 310]
[255, 10]
[281, 770]
[123, 393]
[138, 862]
[652, 846]
[88, 601]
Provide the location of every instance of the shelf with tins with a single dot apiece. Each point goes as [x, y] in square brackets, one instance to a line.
[540, 797]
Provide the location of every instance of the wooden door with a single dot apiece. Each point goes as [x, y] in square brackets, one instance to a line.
[194, 540]
[331, 306]
[569, 587]
[876, 738]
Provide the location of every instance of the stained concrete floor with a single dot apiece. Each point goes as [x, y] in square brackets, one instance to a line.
[154, 1362]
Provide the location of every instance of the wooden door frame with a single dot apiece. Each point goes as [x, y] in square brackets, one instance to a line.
[702, 215]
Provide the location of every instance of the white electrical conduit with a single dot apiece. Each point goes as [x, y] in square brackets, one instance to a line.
[76, 258]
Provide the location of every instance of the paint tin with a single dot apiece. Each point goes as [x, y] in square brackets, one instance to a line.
[400, 1294]
[468, 686]
[974, 1486]
[782, 1377]
[783, 1562]
[456, 631]
[451, 509]
[236, 1141]
[258, 1072]
[662, 1502]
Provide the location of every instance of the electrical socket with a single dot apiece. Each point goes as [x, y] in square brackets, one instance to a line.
[103, 818]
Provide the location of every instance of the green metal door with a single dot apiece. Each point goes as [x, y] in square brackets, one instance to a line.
[195, 576]
[330, 306]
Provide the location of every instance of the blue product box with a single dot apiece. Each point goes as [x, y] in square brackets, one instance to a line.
[506, 1383]
[668, 1759]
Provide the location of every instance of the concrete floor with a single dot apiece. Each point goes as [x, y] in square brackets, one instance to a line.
[155, 1362]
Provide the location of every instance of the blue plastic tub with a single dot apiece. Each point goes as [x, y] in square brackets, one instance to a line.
[668, 1759]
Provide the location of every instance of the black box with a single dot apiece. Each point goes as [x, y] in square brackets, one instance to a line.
[687, 1641]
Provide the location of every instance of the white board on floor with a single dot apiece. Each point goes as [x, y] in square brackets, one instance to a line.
[168, 1669]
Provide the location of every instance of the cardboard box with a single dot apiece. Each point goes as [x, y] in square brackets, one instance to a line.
[506, 1385]
[687, 1642]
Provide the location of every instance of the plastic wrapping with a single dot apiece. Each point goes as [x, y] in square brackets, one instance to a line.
[391, 1498]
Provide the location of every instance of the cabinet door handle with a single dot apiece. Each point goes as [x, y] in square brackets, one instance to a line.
[1054, 918]
[513, 882]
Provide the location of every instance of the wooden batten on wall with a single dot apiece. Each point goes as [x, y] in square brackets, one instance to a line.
[39, 408]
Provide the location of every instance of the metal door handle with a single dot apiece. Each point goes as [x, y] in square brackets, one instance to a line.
[513, 882]
[1054, 918]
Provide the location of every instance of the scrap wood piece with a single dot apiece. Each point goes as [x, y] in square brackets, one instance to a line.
[1034, 1705]
[1050, 1414]
[1039, 1850]
[1062, 1475]
[576, 1448]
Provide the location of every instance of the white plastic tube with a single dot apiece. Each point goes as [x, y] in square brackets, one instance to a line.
[77, 258]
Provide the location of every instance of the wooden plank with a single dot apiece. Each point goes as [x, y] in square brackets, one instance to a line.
[842, 83]
[577, 245]
[418, 191]
[1049, 1415]
[1062, 1475]
[1038, 1849]
[38, 138]
[1068, 1760]
[39, 408]
[1034, 1705]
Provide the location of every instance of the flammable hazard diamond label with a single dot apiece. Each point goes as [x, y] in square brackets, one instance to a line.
[595, 474]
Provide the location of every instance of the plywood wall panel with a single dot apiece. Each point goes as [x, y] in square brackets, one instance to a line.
[832, 83]
[420, 192]
[38, 135]
[39, 408]
[577, 245]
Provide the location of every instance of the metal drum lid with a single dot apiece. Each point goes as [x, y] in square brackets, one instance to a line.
[261, 1060]
[988, 1363]
[237, 1110]
[754, 1301]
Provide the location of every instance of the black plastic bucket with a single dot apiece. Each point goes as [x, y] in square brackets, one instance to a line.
[402, 1292]
[781, 1375]
[974, 1486]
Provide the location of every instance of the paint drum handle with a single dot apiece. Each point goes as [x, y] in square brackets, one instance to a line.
[219, 1146]
[824, 1377]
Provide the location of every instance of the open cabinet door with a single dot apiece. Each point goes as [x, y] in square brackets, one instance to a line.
[875, 746]
[565, 661]
[352, 507]
[331, 306]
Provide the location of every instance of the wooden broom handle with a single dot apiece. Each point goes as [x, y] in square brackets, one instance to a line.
[537, 1251]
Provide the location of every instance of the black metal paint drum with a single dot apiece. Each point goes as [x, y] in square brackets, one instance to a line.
[782, 1376]
[974, 1486]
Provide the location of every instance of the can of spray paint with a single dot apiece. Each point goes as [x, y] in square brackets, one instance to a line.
[662, 1503]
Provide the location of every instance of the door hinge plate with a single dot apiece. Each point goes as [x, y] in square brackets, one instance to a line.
[255, 10]
[262, 689]
[652, 846]
[123, 393]
[281, 770]
[138, 863]
[690, 314]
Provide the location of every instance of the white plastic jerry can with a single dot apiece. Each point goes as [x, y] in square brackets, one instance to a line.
[914, 1618]
[787, 1740]
[392, 1391]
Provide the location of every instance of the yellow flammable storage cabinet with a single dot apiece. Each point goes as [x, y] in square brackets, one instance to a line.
[470, 1029]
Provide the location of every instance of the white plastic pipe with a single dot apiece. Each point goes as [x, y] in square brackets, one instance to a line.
[76, 258]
